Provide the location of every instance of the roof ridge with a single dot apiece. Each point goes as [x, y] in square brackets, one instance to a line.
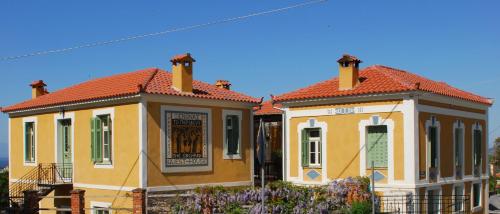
[405, 84]
[148, 80]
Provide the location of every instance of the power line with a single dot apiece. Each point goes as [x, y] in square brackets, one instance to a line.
[141, 36]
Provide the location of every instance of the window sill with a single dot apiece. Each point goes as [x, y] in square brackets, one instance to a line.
[477, 209]
[312, 167]
[232, 157]
[29, 164]
[103, 166]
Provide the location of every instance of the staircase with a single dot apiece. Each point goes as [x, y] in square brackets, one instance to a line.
[44, 178]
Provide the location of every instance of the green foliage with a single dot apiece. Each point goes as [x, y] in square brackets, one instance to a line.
[4, 189]
[363, 207]
[234, 208]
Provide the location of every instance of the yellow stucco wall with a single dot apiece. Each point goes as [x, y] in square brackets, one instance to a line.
[446, 143]
[222, 170]
[125, 145]
[121, 201]
[343, 140]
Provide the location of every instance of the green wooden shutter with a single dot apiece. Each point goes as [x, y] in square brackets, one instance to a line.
[305, 148]
[377, 146]
[92, 139]
[98, 139]
[108, 137]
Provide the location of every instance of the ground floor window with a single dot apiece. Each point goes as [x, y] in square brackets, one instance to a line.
[311, 147]
[458, 204]
[433, 201]
[100, 207]
[476, 195]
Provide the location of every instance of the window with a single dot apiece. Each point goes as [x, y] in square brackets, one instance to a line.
[477, 158]
[101, 137]
[311, 147]
[433, 201]
[101, 210]
[29, 142]
[232, 134]
[376, 147]
[476, 195]
[100, 207]
[432, 134]
[459, 148]
[458, 198]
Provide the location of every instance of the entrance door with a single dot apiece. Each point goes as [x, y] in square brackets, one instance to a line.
[65, 154]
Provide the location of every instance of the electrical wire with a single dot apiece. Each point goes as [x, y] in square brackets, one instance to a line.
[142, 36]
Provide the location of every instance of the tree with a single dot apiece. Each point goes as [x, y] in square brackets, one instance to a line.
[4, 189]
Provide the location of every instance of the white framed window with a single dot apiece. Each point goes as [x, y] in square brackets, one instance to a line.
[433, 200]
[477, 196]
[311, 147]
[477, 157]
[458, 198]
[30, 141]
[101, 207]
[231, 134]
[433, 147]
[101, 131]
[458, 148]
[376, 146]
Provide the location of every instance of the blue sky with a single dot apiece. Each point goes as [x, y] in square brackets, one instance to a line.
[452, 41]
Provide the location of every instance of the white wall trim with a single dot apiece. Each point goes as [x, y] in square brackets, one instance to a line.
[356, 110]
[163, 139]
[362, 126]
[428, 123]
[61, 116]
[192, 186]
[195, 101]
[103, 187]
[94, 204]
[252, 147]
[313, 123]
[451, 112]
[459, 124]
[10, 148]
[143, 144]
[453, 101]
[111, 112]
[225, 113]
[411, 140]
[34, 121]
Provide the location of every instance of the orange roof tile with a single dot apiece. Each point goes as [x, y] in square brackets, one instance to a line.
[381, 79]
[268, 108]
[152, 80]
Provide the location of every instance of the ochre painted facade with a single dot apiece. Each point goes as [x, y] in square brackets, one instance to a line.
[223, 171]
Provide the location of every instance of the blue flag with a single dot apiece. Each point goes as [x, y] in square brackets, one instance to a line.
[261, 143]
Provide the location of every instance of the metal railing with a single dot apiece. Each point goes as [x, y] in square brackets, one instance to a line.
[423, 204]
[41, 178]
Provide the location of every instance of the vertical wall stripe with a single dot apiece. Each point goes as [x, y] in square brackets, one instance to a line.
[410, 123]
[143, 146]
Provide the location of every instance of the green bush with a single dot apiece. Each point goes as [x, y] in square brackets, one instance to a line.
[4, 189]
[360, 207]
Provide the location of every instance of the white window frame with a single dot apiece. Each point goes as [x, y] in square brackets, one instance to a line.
[226, 113]
[98, 204]
[433, 188]
[462, 194]
[432, 122]
[479, 207]
[317, 154]
[310, 124]
[477, 126]
[35, 126]
[111, 112]
[376, 120]
[459, 124]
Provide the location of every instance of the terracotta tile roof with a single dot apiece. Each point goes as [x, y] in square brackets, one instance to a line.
[381, 79]
[152, 80]
[267, 108]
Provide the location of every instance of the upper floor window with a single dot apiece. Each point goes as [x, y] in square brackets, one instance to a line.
[29, 142]
[311, 147]
[459, 147]
[101, 139]
[232, 134]
[377, 146]
[477, 147]
[432, 131]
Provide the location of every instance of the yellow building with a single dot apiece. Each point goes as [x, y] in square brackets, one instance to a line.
[148, 129]
[422, 137]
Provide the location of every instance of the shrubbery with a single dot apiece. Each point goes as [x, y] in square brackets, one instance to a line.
[4, 189]
[350, 195]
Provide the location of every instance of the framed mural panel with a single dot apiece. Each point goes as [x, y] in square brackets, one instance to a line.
[186, 139]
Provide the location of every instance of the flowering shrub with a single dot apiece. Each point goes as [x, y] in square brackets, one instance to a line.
[280, 197]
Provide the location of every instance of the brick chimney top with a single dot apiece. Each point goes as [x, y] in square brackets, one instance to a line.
[225, 84]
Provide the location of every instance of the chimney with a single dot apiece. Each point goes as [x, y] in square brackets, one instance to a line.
[38, 89]
[348, 72]
[182, 70]
[223, 84]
